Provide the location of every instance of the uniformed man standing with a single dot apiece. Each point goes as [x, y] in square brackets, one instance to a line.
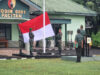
[48, 42]
[78, 40]
[58, 38]
[83, 33]
[31, 38]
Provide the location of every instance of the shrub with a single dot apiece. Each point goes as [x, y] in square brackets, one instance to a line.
[96, 39]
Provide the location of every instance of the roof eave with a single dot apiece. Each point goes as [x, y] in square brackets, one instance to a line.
[75, 13]
[31, 5]
[69, 13]
[13, 20]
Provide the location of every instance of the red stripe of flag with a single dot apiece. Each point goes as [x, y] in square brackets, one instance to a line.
[9, 3]
[35, 23]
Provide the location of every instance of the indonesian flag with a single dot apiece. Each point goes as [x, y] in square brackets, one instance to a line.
[37, 28]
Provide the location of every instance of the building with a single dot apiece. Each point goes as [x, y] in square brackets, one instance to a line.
[64, 13]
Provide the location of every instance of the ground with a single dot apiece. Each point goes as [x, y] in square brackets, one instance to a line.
[48, 67]
[54, 66]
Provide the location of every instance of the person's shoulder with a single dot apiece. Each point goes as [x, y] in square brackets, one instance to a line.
[81, 29]
[80, 35]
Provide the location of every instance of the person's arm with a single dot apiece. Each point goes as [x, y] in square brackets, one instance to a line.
[76, 38]
[84, 33]
[76, 43]
[82, 44]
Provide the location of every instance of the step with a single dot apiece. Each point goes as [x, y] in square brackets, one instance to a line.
[83, 59]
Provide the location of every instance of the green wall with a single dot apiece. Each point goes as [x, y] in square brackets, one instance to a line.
[76, 21]
[15, 32]
[63, 31]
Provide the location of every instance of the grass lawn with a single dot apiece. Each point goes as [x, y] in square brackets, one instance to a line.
[48, 67]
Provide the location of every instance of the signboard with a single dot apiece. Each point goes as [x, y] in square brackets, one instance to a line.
[13, 9]
[88, 40]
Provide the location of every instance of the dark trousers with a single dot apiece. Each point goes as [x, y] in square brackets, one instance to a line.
[78, 53]
[59, 47]
[83, 49]
[87, 49]
[48, 43]
[83, 52]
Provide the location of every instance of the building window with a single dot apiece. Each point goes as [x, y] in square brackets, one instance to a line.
[5, 31]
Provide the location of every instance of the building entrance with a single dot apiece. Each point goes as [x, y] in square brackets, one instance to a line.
[5, 31]
[56, 28]
[5, 34]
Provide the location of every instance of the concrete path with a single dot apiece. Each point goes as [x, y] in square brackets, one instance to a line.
[10, 51]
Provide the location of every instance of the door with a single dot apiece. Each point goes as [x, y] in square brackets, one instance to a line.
[56, 28]
[5, 31]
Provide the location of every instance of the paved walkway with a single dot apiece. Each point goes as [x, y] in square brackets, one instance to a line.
[8, 52]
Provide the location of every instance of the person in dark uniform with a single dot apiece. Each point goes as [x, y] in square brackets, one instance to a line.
[48, 42]
[83, 33]
[78, 40]
[31, 38]
[58, 38]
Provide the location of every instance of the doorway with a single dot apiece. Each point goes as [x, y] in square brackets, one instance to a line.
[56, 28]
[5, 31]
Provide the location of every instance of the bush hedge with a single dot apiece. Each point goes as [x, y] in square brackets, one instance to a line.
[96, 39]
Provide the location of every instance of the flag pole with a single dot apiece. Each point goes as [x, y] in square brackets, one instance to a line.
[44, 43]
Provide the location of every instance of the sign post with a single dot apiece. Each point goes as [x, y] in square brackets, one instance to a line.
[13, 9]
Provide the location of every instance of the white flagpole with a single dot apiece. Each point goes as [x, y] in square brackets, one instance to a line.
[44, 43]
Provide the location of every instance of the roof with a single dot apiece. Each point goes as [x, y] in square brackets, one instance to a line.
[9, 20]
[32, 5]
[64, 7]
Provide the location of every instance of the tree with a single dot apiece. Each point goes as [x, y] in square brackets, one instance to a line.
[93, 5]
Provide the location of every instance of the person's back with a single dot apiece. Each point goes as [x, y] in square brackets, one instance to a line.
[82, 32]
[79, 39]
[58, 38]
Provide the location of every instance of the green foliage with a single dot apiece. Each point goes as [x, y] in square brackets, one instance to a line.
[90, 4]
[96, 39]
[98, 0]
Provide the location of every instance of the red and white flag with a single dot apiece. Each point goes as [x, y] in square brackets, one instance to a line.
[37, 28]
